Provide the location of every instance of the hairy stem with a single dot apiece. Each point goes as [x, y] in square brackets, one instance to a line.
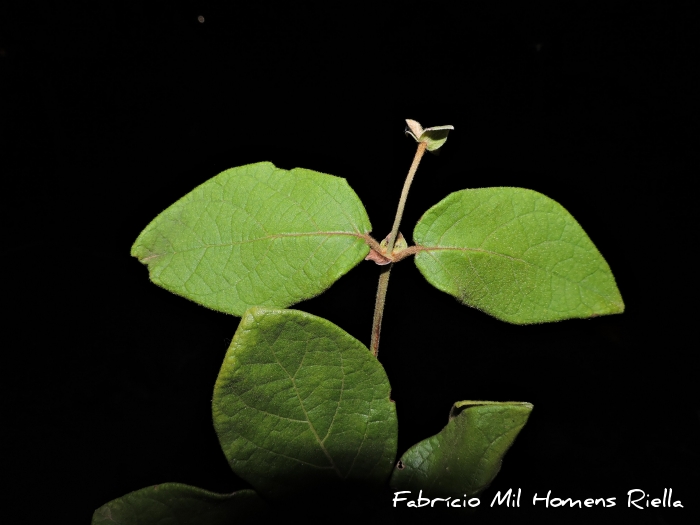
[379, 308]
[404, 195]
[386, 271]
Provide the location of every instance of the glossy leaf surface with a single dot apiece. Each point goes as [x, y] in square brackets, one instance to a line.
[465, 456]
[299, 403]
[182, 505]
[515, 254]
[256, 235]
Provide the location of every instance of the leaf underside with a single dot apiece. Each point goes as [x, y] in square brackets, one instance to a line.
[180, 504]
[256, 235]
[515, 254]
[464, 457]
[299, 403]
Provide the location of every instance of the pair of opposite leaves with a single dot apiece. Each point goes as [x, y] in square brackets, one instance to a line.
[261, 236]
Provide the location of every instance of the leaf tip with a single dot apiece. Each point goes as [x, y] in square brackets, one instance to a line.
[414, 128]
[252, 314]
[613, 307]
[619, 307]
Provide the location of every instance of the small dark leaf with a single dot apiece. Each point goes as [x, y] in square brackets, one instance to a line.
[464, 457]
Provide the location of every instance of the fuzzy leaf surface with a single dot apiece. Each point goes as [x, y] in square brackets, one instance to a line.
[301, 404]
[256, 235]
[515, 254]
[465, 456]
[182, 505]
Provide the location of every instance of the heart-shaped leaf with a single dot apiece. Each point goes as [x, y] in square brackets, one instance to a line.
[299, 404]
[515, 254]
[464, 457]
[181, 504]
[256, 235]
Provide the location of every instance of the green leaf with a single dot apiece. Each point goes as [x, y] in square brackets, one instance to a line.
[180, 504]
[300, 404]
[515, 254]
[465, 456]
[434, 136]
[256, 235]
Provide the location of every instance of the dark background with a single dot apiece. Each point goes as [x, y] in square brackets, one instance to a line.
[111, 111]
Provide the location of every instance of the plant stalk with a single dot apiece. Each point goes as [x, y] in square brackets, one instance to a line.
[379, 307]
[404, 195]
[386, 270]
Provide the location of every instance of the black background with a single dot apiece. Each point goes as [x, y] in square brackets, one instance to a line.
[111, 111]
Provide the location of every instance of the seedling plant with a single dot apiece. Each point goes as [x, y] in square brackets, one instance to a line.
[300, 406]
